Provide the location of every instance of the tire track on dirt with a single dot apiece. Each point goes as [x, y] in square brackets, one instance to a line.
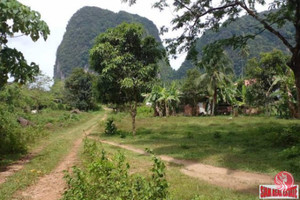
[10, 170]
[52, 186]
[223, 177]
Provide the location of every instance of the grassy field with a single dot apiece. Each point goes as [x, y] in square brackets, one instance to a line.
[46, 122]
[259, 144]
[56, 145]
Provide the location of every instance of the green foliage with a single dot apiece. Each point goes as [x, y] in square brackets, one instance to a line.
[79, 90]
[217, 70]
[18, 18]
[18, 101]
[108, 178]
[291, 152]
[288, 137]
[11, 137]
[164, 100]
[192, 93]
[110, 127]
[144, 111]
[264, 42]
[272, 84]
[84, 26]
[126, 61]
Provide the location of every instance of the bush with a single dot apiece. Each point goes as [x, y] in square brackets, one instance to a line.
[145, 111]
[11, 138]
[109, 179]
[110, 128]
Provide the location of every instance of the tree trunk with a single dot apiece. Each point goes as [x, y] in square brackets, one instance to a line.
[296, 70]
[167, 109]
[160, 113]
[214, 102]
[133, 115]
[291, 106]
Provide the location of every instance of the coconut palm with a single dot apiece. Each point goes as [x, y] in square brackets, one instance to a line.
[217, 67]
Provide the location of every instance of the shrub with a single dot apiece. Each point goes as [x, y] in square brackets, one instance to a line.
[109, 179]
[11, 138]
[145, 111]
[110, 128]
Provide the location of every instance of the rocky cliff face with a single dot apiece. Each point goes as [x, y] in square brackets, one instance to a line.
[84, 26]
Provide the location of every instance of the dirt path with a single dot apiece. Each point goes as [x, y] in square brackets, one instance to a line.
[18, 165]
[232, 179]
[52, 186]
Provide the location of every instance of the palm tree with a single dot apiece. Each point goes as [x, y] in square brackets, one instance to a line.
[163, 100]
[217, 66]
[154, 98]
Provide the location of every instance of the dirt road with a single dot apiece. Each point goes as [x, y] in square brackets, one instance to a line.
[52, 186]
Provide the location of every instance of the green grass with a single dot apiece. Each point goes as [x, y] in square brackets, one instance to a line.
[56, 144]
[258, 144]
[181, 187]
[35, 135]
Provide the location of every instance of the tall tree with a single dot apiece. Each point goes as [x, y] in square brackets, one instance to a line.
[17, 18]
[79, 90]
[194, 17]
[126, 61]
[217, 67]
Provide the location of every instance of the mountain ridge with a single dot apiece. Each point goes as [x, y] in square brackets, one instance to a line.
[84, 26]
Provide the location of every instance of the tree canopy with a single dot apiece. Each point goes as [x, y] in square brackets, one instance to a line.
[17, 18]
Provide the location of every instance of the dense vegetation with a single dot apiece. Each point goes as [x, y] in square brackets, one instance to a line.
[264, 42]
[83, 27]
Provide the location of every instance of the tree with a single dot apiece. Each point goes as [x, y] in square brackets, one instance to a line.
[270, 74]
[17, 18]
[79, 90]
[126, 61]
[217, 66]
[192, 92]
[194, 17]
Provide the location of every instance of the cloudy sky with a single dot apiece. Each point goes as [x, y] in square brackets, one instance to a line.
[57, 13]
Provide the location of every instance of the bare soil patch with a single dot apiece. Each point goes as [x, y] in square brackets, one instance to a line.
[18, 165]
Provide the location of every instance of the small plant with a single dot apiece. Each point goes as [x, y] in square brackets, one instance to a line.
[217, 135]
[291, 152]
[190, 135]
[123, 134]
[185, 146]
[110, 128]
